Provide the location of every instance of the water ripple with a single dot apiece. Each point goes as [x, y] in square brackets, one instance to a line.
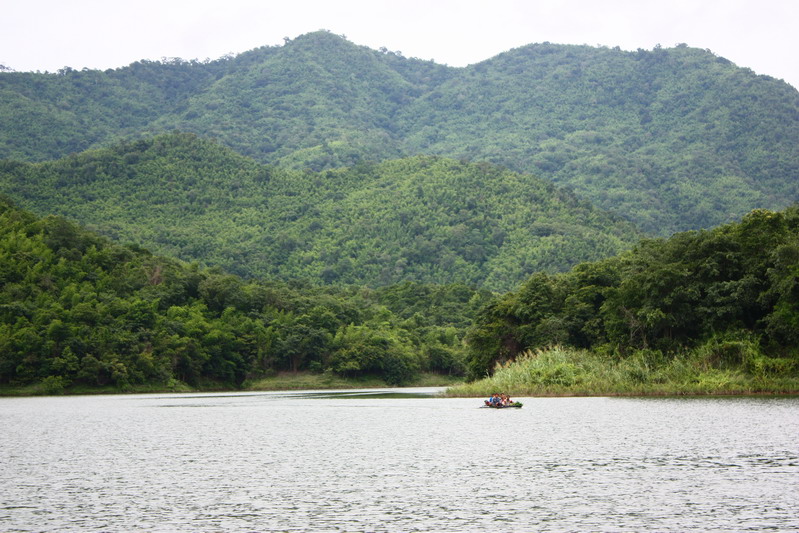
[361, 462]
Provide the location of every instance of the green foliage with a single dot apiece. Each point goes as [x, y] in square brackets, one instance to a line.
[421, 219]
[672, 139]
[77, 310]
[53, 385]
[728, 293]
[562, 371]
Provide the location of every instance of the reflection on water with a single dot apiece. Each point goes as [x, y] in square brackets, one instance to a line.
[420, 392]
[407, 392]
[396, 461]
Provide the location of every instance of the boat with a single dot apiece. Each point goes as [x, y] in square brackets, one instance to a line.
[514, 404]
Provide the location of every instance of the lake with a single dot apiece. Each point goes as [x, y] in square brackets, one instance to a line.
[397, 460]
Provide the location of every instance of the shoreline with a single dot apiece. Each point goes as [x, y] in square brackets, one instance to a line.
[308, 381]
[283, 381]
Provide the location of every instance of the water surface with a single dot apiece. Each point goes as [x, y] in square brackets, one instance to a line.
[397, 461]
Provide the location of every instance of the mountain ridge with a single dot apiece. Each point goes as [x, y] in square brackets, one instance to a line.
[671, 139]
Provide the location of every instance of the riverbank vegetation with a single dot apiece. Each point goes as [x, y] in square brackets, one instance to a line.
[718, 367]
[77, 311]
[711, 312]
[701, 312]
[331, 380]
[287, 380]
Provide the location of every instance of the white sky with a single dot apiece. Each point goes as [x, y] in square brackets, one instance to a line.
[46, 35]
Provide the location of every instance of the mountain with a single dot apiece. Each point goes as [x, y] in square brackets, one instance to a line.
[671, 139]
[424, 219]
[298, 103]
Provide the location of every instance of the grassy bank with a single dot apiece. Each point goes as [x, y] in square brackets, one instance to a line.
[328, 380]
[282, 381]
[736, 370]
[49, 388]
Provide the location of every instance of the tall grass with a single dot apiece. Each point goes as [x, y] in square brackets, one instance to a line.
[717, 367]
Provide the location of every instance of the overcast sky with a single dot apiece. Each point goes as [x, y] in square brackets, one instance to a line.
[46, 35]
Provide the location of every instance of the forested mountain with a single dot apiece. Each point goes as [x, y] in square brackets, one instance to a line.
[76, 308]
[671, 139]
[425, 219]
[298, 103]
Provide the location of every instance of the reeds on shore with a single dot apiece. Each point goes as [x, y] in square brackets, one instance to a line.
[731, 369]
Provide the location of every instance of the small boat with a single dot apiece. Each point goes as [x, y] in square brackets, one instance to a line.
[514, 404]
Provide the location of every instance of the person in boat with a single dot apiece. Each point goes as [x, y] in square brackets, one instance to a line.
[494, 401]
[505, 400]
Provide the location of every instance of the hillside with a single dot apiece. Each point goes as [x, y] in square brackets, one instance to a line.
[318, 101]
[671, 139]
[423, 219]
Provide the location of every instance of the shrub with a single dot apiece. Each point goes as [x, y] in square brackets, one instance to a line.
[54, 385]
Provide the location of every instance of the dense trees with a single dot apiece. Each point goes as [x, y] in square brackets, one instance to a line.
[76, 308]
[735, 283]
[671, 139]
[423, 219]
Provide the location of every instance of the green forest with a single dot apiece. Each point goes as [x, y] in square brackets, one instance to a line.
[80, 312]
[671, 139]
[424, 219]
[77, 310]
[715, 310]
